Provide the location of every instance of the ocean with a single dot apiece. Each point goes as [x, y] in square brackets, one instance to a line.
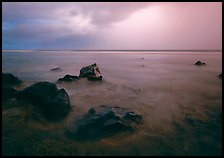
[181, 104]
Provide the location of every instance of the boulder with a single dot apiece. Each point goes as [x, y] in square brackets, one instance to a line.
[56, 69]
[91, 72]
[103, 121]
[68, 78]
[10, 80]
[8, 92]
[199, 63]
[53, 102]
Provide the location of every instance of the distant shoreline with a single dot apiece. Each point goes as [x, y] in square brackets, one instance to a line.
[118, 50]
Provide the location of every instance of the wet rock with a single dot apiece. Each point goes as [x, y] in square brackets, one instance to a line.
[10, 80]
[95, 78]
[103, 121]
[53, 102]
[199, 63]
[56, 69]
[189, 120]
[69, 78]
[8, 92]
[91, 72]
[220, 76]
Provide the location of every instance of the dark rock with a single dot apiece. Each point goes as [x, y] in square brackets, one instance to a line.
[220, 76]
[10, 80]
[91, 111]
[92, 72]
[199, 63]
[133, 117]
[8, 92]
[53, 102]
[103, 121]
[56, 69]
[189, 120]
[68, 78]
[94, 78]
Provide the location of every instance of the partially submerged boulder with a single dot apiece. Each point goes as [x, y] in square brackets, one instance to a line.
[56, 69]
[103, 121]
[68, 78]
[10, 80]
[199, 63]
[91, 72]
[53, 102]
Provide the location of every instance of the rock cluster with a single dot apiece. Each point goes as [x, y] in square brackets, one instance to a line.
[103, 121]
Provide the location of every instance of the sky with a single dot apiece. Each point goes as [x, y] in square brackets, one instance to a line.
[112, 25]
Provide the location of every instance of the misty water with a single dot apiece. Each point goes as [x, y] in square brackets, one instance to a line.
[181, 104]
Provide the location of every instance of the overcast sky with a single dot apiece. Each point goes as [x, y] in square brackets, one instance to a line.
[115, 25]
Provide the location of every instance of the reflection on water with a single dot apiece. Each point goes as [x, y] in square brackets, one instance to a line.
[181, 104]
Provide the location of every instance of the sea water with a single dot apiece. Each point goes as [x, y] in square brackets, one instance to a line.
[181, 104]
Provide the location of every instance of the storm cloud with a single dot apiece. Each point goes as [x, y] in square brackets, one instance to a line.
[115, 25]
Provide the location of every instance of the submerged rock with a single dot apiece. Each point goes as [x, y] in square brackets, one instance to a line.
[10, 80]
[56, 69]
[53, 102]
[103, 121]
[92, 72]
[68, 78]
[199, 63]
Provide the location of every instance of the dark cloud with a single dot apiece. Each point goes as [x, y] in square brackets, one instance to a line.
[117, 25]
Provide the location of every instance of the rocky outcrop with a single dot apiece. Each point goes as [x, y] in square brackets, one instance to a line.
[10, 80]
[53, 102]
[68, 78]
[103, 121]
[91, 72]
[199, 63]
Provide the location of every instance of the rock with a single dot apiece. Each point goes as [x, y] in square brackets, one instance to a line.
[10, 80]
[103, 121]
[56, 69]
[92, 72]
[8, 92]
[53, 102]
[220, 76]
[68, 78]
[199, 63]
[94, 78]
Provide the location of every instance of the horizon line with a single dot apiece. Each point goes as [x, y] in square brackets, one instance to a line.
[155, 50]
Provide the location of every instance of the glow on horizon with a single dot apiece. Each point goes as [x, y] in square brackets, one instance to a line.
[117, 25]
